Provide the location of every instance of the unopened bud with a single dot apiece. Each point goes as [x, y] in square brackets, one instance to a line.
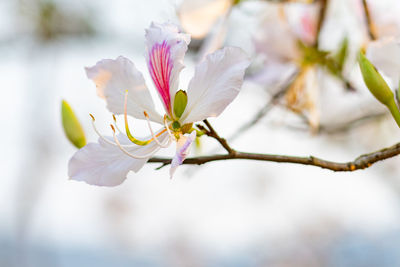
[374, 81]
[72, 127]
[180, 103]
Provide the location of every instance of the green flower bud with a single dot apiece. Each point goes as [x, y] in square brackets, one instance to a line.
[72, 128]
[374, 81]
[180, 103]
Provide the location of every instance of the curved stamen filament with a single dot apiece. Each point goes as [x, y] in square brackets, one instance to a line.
[127, 152]
[128, 132]
[102, 137]
[167, 127]
[152, 132]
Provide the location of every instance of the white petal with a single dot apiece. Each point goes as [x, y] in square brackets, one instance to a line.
[385, 55]
[165, 49]
[274, 37]
[113, 78]
[182, 151]
[104, 164]
[274, 74]
[303, 19]
[198, 16]
[216, 82]
[215, 39]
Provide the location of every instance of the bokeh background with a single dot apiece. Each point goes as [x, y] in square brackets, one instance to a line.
[233, 213]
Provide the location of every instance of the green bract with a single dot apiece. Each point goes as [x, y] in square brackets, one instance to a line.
[341, 55]
[180, 103]
[378, 87]
[374, 81]
[72, 128]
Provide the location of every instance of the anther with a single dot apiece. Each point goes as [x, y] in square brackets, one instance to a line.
[102, 137]
[115, 124]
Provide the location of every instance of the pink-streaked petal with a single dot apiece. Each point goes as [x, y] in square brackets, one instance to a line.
[104, 164]
[216, 82]
[385, 55]
[113, 77]
[165, 49]
[182, 151]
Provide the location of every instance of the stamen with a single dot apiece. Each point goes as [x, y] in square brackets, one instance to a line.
[127, 152]
[152, 132]
[128, 132]
[115, 124]
[102, 137]
[167, 127]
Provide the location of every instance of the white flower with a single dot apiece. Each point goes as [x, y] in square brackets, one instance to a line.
[216, 82]
[198, 16]
[277, 40]
[206, 19]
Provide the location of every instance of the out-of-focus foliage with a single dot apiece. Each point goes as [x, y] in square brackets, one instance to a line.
[49, 20]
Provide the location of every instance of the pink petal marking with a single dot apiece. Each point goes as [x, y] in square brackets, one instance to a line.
[309, 28]
[160, 67]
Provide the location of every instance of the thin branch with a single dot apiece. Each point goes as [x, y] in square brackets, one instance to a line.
[267, 107]
[212, 133]
[340, 127]
[368, 21]
[361, 162]
[321, 19]
[345, 126]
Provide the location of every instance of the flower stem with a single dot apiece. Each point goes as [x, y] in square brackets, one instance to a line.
[394, 110]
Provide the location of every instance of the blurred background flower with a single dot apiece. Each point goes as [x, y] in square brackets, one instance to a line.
[233, 213]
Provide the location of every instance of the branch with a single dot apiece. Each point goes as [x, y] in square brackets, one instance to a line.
[321, 19]
[368, 21]
[361, 162]
[340, 127]
[212, 133]
[267, 107]
[345, 126]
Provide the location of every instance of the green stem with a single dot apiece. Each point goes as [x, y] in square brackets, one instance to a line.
[395, 111]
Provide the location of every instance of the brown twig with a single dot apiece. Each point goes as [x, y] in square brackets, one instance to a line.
[267, 107]
[340, 127]
[361, 162]
[368, 21]
[212, 133]
[345, 126]
[321, 19]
